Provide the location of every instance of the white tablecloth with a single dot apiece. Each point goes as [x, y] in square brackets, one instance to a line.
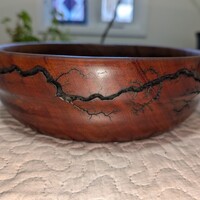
[33, 166]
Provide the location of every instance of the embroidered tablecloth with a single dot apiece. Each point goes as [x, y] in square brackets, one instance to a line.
[34, 166]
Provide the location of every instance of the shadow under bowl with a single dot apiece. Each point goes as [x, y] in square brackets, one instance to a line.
[99, 93]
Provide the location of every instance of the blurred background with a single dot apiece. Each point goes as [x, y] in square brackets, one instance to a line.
[172, 23]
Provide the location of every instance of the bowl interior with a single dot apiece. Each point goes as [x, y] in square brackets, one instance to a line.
[98, 50]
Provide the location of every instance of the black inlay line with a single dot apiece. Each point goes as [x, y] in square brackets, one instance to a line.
[71, 97]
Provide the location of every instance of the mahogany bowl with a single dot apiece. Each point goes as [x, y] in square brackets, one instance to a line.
[99, 93]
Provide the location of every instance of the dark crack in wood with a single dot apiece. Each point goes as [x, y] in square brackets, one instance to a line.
[138, 107]
[73, 70]
[186, 104]
[94, 113]
[72, 97]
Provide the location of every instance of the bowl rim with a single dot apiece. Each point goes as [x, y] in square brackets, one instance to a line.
[4, 47]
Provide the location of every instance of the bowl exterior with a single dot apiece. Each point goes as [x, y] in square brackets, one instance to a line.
[99, 100]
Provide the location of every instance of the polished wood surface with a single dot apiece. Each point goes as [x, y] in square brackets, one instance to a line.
[99, 93]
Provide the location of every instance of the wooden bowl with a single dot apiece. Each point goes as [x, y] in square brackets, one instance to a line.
[99, 93]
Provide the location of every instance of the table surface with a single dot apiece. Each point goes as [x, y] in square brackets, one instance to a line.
[34, 166]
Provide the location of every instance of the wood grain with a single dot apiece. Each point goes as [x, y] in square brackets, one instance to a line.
[99, 93]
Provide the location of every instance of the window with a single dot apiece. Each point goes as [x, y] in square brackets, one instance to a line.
[72, 11]
[124, 12]
[131, 23]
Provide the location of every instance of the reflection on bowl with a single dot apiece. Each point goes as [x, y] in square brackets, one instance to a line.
[99, 93]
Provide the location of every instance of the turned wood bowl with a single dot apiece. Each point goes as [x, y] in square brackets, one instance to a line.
[99, 93]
